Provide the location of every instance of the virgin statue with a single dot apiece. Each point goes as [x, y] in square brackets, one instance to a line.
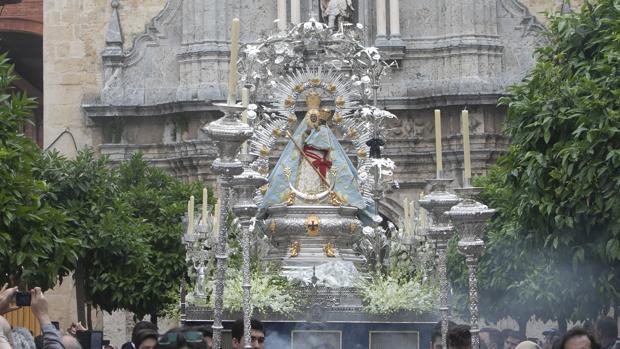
[333, 10]
[314, 168]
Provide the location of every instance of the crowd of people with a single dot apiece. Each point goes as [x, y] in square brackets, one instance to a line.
[602, 335]
[145, 334]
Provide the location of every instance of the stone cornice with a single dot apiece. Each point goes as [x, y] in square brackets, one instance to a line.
[96, 110]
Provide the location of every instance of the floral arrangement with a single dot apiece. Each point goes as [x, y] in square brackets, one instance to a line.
[388, 294]
[270, 292]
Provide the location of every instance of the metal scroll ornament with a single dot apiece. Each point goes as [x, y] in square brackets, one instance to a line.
[437, 203]
[469, 218]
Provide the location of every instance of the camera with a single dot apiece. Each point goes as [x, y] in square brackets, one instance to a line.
[22, 299]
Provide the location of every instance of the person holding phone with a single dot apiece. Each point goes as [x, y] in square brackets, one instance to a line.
[39, 307]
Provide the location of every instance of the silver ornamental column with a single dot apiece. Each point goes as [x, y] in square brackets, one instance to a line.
[437, 203]
[469, 218]
[244, 186]
[228, 133]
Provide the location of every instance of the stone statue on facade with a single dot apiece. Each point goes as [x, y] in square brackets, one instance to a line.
[336, 12]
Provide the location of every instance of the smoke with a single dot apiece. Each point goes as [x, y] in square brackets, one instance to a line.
[277, 340]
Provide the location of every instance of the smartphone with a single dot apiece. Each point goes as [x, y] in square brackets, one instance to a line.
[22, 299]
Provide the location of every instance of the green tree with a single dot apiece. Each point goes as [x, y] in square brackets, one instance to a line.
[555, 246]
[159, 201]
[129, 219]
[35, 248]
[114, 248]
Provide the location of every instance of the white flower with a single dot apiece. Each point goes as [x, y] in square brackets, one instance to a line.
[365, 79]
[252, 106]
[386, 173]
[368, 230]
[251, 114]
[252, 50]
[359, 26]
[366, 112]
[377, 219]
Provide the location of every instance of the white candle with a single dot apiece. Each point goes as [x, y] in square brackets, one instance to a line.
[438, 150]
[190, 215]
[412, 214]
[216, 220]
[466, 152]
[234, 51]
[205, 196]
[407, 217]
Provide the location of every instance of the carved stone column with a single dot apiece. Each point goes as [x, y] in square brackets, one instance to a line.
[381, 39]
[395, 39]
[295, 11]
[282, 14]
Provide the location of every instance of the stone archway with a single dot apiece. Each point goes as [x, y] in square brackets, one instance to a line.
[21, 36]
[25, 50]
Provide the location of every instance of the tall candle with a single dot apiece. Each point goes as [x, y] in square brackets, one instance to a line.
[205, 196]
[422, 220]
[466, 151]
[190, 215]
[438, 150]
[412, 213]
[234, 52]
[407, 217]
[216, 220]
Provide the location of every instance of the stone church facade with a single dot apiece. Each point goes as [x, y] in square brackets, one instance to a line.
[152, 91]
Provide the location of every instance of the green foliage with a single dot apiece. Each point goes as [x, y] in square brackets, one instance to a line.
[554, 248]
[128, 220]
[35, 247]
[158, 201]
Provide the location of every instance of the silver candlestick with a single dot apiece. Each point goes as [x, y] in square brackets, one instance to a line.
[469, 218]
[437, 203]
[228, 133]
[244, 186]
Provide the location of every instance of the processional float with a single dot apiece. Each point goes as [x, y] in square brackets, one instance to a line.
[314, 192]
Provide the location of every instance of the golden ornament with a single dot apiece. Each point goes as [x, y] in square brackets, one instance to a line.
[313, 225]
[290, 199]
[329, 250]
[352, 133]
[272, 226]
[340, 101]
[295, 248]
[331, 88]
[338, 118]
[316, 82]
[264, 151]
[299, 88]
[335, 199]
[289, 102]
